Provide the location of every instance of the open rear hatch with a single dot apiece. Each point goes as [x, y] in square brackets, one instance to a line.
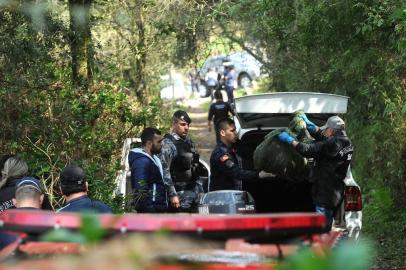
[256, 116]
[272, 110]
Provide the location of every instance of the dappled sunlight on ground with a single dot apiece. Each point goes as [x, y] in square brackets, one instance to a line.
[205, 140]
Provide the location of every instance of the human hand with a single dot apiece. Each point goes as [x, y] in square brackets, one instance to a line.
[311, 127]
[264, 174]
[175, 202]
[209, 128]
[285, 138]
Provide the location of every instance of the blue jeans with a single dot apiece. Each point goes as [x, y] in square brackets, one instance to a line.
[328, 213]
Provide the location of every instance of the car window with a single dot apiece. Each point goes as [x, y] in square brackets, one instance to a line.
[206, 66]
[217, 63]
[220, 198]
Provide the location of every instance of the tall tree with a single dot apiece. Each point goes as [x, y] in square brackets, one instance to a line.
[81, 43]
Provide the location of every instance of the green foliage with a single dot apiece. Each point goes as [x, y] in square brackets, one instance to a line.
[90, 232]
[63, 235]
[91, 228]
[352, 48]
[52, 124]
[346, 256]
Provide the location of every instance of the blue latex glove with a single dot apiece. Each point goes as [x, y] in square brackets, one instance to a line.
[311, 127]
[285, 138]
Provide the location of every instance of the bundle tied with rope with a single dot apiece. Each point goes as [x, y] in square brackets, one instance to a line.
[279, 158]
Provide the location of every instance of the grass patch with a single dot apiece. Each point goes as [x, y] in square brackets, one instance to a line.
[386, 226]
[206, 105]
[390, 240]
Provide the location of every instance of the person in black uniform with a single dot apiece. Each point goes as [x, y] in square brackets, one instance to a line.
[332, 152]
[219, 109]
[180, 162]
[226, 172]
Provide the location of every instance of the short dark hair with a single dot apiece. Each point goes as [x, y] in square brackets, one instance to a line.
[218, 95]
[182, 116]
[73, 180]
[221, 125]
[148, 134]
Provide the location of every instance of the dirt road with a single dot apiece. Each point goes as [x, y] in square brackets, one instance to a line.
[204, 139]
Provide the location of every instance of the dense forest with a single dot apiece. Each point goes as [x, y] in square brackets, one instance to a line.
[79, 76]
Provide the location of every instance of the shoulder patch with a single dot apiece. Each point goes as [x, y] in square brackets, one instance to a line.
[224, 158]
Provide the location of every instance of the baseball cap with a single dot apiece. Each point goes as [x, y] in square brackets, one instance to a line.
[29, 181]
[182, 115]
[334, 122]
[72, 175]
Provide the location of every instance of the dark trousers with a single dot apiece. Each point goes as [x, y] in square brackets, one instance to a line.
[230, 94]
[195, 87]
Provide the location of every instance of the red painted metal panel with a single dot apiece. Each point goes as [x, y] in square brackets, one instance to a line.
[174, 222]
[50, 248]
[216, 267]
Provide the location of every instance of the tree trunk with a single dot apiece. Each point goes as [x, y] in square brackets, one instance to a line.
[141, 56]
[80, 43]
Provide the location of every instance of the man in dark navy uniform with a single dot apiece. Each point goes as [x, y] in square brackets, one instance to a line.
[226, 172]
[74, 188]
[219, 109]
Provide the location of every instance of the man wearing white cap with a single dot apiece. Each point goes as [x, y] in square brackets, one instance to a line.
[332, 152]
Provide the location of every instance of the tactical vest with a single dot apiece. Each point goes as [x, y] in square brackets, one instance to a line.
[183, 166]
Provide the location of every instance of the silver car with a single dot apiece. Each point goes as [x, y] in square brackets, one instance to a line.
[246, 67]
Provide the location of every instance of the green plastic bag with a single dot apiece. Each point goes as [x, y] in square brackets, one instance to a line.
[279, 158]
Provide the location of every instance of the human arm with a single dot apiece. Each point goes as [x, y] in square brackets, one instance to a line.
[311, 127]
[168, 153]
[139, 172]
[229, 109]
[209, 125]
[174, 201]
[229, 167]
[264, 174]
[312, 149]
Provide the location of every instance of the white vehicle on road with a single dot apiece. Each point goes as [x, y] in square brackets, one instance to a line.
[174, 87]
[256, 116]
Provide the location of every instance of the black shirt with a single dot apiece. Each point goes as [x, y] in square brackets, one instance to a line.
[219, 110]
[225, 170]
[332, 157]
